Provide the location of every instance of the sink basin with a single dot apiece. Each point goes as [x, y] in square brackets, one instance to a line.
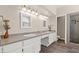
[30, 35]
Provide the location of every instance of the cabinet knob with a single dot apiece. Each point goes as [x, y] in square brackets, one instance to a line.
[22, 50]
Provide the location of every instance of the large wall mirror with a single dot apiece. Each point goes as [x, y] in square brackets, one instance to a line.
[25, 20]
[1, 25]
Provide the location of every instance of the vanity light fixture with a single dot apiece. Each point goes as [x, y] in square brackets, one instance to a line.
[33, 12]
[29, 10]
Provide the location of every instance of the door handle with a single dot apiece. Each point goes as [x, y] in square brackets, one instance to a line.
[74, 21]
[77, 21]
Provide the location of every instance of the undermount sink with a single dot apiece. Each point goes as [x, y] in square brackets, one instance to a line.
[30, 35]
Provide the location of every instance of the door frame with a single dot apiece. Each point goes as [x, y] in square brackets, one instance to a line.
[57, 27]
[67, 28]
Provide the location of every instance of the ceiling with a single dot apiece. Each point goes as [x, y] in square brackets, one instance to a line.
[46, 9]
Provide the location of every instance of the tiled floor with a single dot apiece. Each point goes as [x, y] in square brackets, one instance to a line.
[60, 47]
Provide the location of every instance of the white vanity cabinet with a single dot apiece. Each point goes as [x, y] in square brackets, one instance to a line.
[48, 39]
[32, 45]
[52, 37]
[13, 48]
[0, 49]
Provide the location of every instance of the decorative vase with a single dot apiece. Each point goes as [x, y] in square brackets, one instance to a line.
[6, 27]
[6, 35]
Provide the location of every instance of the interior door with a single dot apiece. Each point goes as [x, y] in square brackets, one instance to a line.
[74, 29]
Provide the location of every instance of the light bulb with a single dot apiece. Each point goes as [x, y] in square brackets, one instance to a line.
[33, 12]
[36, 13]
[28, 10]
[23, 9]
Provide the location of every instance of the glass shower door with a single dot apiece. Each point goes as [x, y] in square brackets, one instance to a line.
[74, 29]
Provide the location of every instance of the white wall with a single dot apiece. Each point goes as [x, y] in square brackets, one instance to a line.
[12, 13]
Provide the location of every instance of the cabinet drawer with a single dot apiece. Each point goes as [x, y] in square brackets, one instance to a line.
[12, 47]
[43, 36]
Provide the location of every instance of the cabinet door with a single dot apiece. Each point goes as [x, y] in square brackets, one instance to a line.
[32, 45]
[0, 49]
[28, 46]
[37, 45]
[28, 49]
[12, 47]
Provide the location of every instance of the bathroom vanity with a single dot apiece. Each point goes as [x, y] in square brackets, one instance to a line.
[27, 46]
[27, 43]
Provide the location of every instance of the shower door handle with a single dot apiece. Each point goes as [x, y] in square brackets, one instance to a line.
[77, 21]
[74, 21]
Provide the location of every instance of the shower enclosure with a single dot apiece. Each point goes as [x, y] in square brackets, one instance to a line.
[74, 28]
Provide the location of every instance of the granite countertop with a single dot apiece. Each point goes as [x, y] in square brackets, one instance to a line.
[20, 37]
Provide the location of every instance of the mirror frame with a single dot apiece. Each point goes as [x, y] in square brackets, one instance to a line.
[1, 20]
[23, 23]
